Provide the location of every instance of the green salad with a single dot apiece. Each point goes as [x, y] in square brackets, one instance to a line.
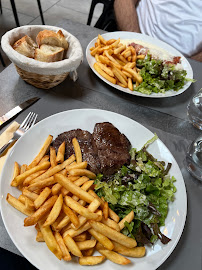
[144, 187]
[159, 77]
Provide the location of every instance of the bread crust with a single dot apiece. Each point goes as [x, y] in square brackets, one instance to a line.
[49, 37]
[47, 53]
[25, 46]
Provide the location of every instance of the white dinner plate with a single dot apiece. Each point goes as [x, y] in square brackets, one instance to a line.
[147, 39]
[27, 148]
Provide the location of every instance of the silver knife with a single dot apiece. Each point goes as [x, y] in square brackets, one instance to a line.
[16, 110]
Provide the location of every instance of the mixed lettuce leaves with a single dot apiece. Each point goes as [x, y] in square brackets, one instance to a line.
[159, 77]
[144, 187]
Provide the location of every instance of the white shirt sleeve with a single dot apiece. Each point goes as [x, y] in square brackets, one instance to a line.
[176, 22]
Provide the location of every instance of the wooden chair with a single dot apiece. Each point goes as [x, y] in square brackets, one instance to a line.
[107, 19]
[16, 15]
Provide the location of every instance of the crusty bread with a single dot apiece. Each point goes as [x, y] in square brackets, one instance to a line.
[25, 46]
[48, 53]
[49, 37]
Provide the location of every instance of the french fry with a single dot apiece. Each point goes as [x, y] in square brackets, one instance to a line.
[127, 74]
[72, 216]
[114, 257]
[97, 58]
[92, 48]
[18, 205]
[88, 252]
[81, 237]
[112, 214]
[23, 168]
[86, 244]
[106, 69]
[74, 189]
[41, 212]
[85, 187]
[94, 52]
[110, 41]
[77, 150]
[41, 153]
[91, 260]
[102, 40]
[127, 218]
[57, 221]
[141, 56]
[79, 209]
[119, 49]
[42, 197]
[104, 74]
[136, 252]
[136, 76]
[111, 58]
[56, 189]
[16, 171]
[119, 76]
[81, 165]
[54, 213]
[64, 222]
[130, 84]
[72, 246]
[74, 233]
[102, 239]
[39, 237]
[54, 170]
[41, 184]
[112, 234]
[111, 223]
[81, 172]
[122, 85]
[29, 204]
[29, 179]
[115, 44]
[93, 206]
[130, 65]
[44, 159]
[20, 178]
[50, 240]
[53, 157]
[65, 253]
[31, 195]
[60, 153]
[105, 210]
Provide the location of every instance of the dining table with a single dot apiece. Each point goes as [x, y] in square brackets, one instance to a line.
[167, 117]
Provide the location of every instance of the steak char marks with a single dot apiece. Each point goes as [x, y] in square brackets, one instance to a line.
[106, 150]
[113, 147]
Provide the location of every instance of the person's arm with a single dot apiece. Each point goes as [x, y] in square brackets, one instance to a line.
[197, 57]
[126, 15]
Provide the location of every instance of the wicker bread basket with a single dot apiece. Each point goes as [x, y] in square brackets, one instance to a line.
[41, 74]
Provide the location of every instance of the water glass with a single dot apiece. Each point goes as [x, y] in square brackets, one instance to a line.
[194, 158]
[194, 110]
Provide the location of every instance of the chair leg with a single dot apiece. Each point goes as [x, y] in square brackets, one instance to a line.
[40, 10]
[15, 12]
[2, 60]
[92, 7]
[1, 7]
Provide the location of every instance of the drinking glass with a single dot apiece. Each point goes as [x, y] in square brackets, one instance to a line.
[194, 158]
[194, 110]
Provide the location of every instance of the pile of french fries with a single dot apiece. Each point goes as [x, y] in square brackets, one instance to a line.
[58, 198]
[116, 62]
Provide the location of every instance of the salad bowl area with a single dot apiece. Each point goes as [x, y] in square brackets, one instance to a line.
[126, 202]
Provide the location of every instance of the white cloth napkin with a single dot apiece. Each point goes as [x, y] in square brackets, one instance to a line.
[5, 138]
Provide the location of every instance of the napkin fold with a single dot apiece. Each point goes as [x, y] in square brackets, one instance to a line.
[5, 138]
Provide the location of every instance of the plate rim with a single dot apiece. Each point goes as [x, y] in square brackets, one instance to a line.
[175, 241]
[172, 93]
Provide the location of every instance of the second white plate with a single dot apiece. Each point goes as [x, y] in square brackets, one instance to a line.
[147, 39]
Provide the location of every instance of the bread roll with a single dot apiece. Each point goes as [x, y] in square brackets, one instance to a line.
[49, 37]
[48, 53]
[25, 46]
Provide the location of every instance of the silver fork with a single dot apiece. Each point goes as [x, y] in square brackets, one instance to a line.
[26, 124]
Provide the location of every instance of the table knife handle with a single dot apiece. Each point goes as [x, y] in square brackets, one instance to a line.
[6, 146]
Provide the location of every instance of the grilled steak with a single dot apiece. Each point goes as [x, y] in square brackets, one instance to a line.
[84, 138]
[113, 147]
[106, 150]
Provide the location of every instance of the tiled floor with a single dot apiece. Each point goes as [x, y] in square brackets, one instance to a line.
[53, 10]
